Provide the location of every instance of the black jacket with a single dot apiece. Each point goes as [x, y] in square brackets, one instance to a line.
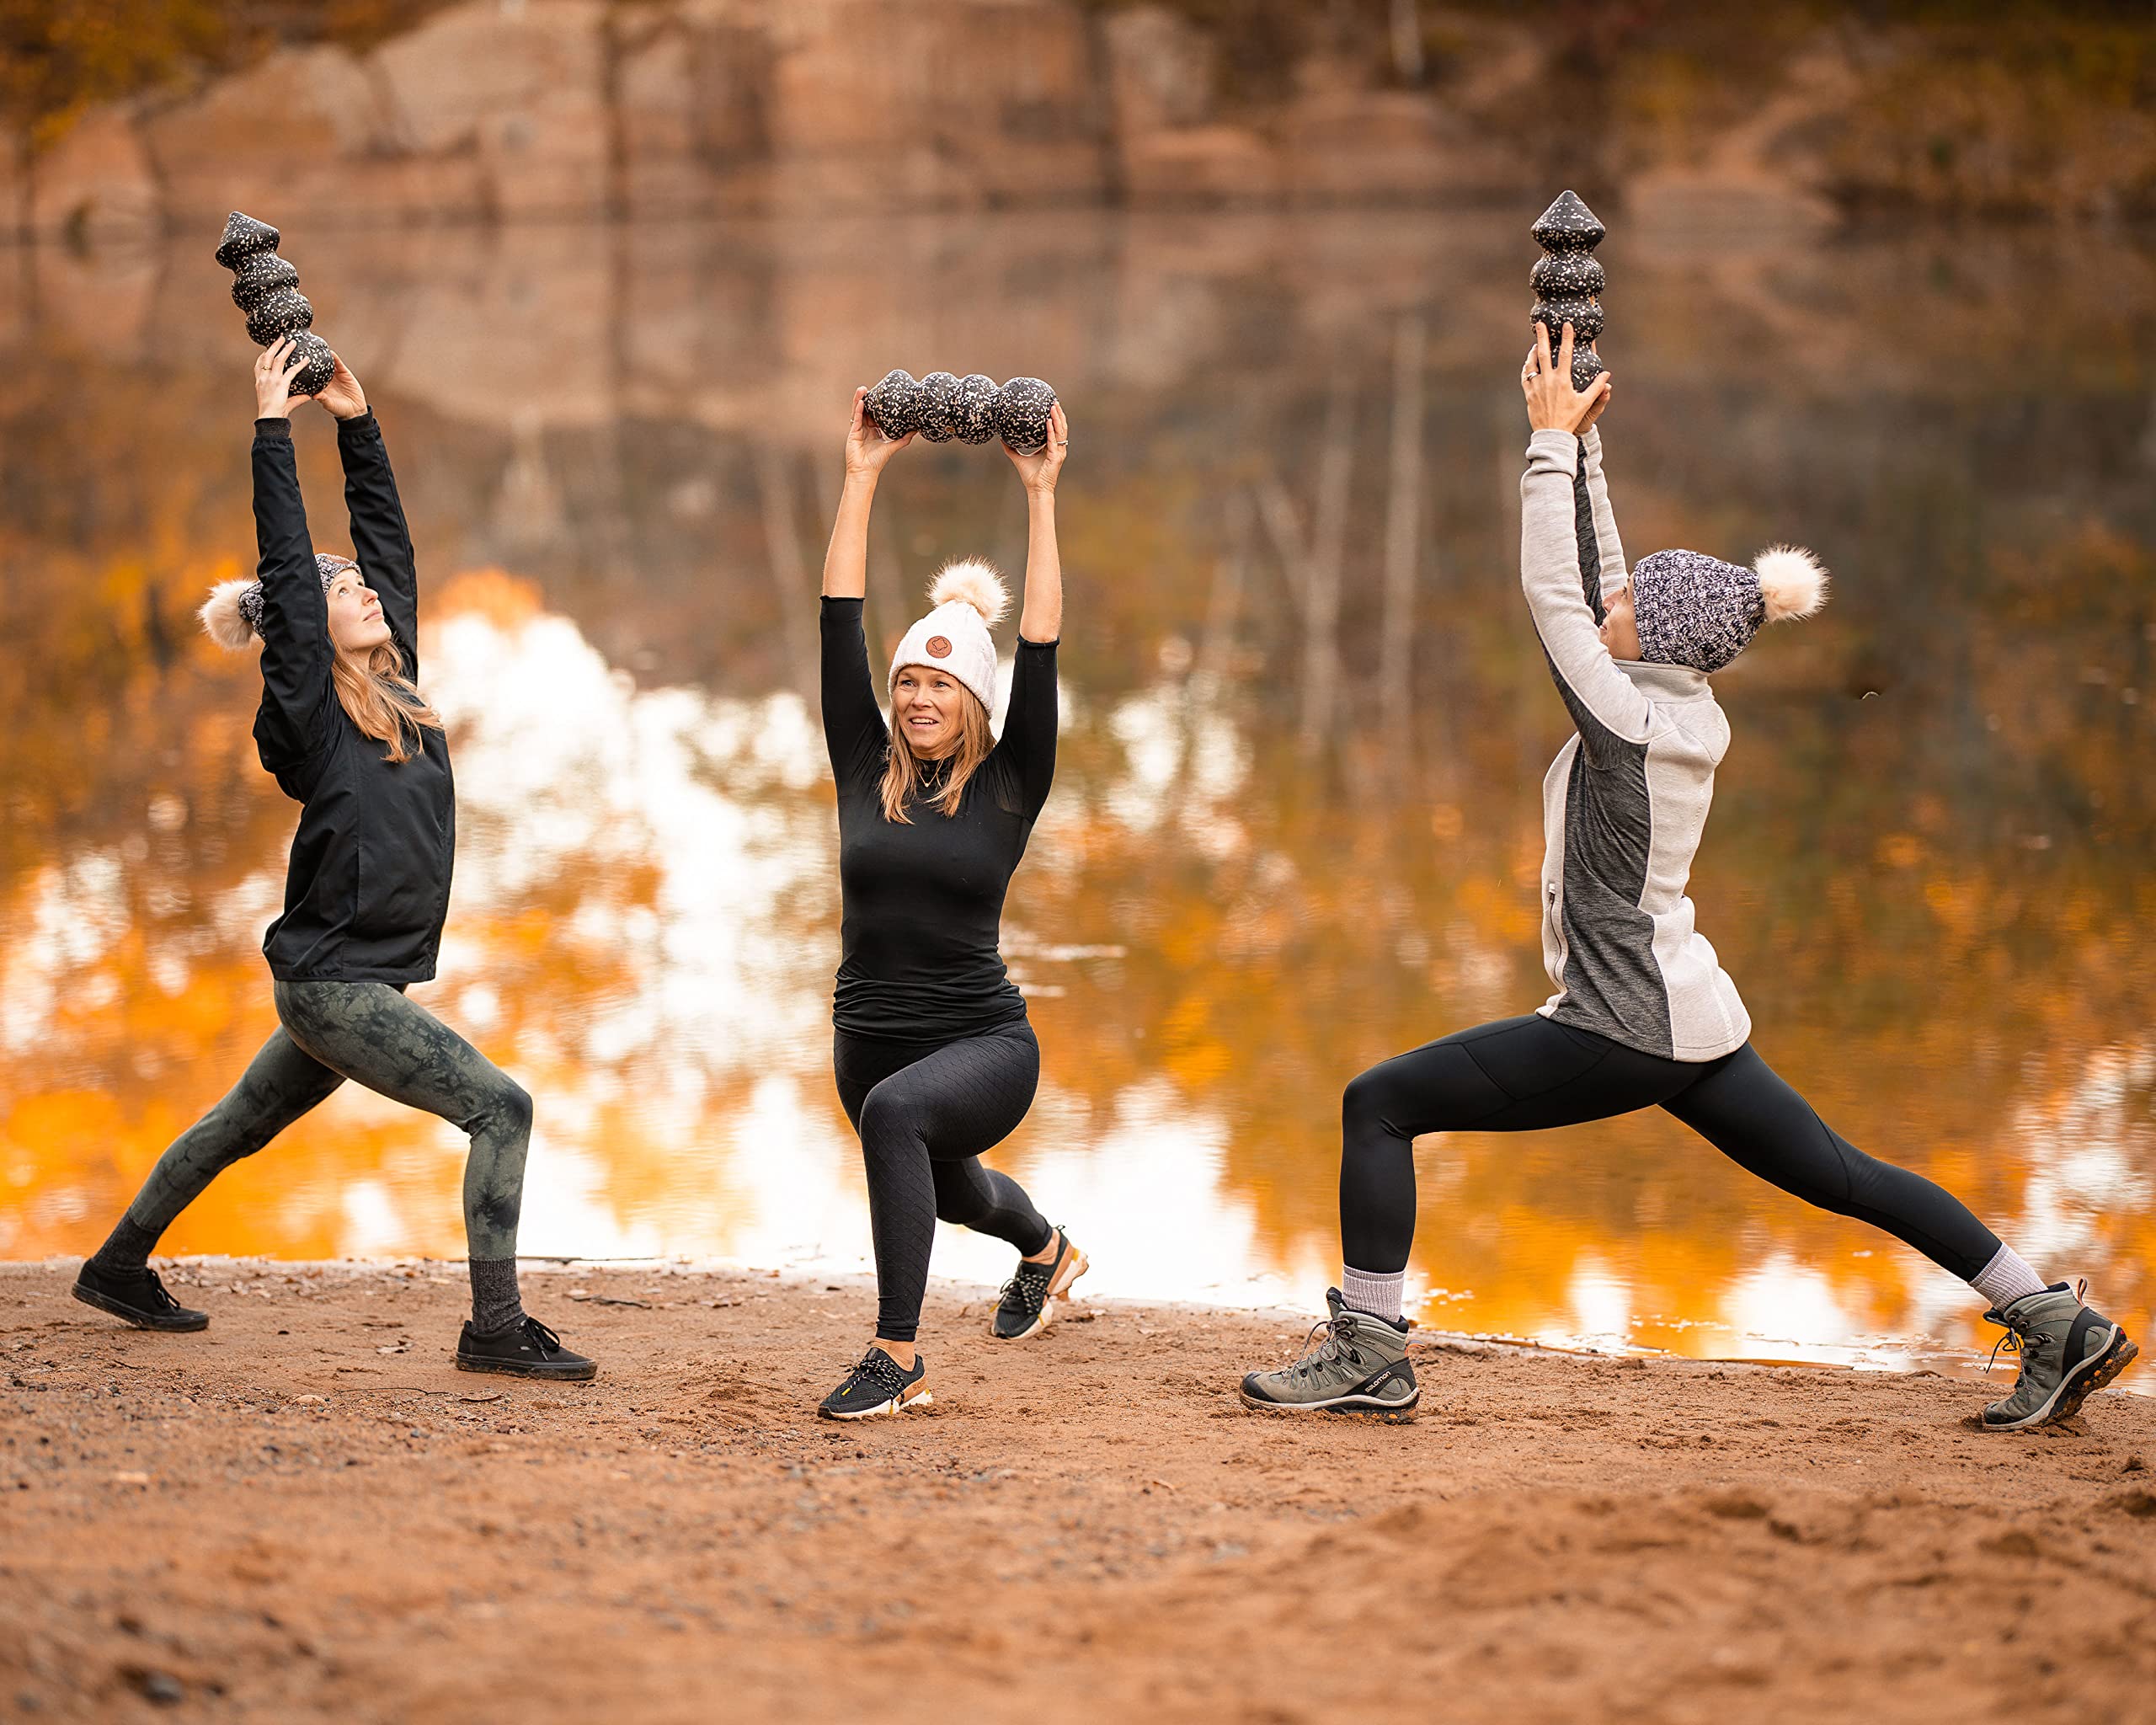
[368, 884]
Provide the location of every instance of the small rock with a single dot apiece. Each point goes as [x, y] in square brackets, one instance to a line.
[159, 1688]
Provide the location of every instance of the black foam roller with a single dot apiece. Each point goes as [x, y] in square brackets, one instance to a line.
[266, 287]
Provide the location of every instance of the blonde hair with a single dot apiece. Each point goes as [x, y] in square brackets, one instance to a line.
[902, 774]
[376, 694]
[382, 701]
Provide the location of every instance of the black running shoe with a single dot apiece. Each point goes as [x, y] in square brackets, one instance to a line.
[1028, 1303]
[136, 1295]
[525, 1349]
[879, 1385]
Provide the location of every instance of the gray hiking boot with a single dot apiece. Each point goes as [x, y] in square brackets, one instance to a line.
[2068, 1351]
[1352, 1363]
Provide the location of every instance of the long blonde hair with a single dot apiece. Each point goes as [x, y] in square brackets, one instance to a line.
[382, 701]
[376, 695]
[902, 773]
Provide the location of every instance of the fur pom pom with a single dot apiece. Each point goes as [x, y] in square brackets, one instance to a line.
[972, 582]
[221, 618]
[1791, 581]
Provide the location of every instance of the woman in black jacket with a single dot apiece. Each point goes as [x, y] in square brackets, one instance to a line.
[348, 736]
[935, 1061]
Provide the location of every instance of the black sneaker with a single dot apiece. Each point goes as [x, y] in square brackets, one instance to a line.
[136, 1295]
[1028, 1303]
[879, 1385]
[527, 1349]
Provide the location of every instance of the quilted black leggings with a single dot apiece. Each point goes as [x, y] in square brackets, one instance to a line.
[925, 1118]
[1522, 1075]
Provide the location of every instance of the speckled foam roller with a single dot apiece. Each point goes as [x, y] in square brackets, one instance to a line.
[1566, 275]
[1022, 410]
[893, 405]
[939, 400]
[266, 287]
[1568, 281]
[973, 410]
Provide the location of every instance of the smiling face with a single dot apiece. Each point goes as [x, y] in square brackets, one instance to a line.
[356, 624]
[1620, 629]
[928, 710]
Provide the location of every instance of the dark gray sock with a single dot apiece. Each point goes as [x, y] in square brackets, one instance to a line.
[128, 1247]
[496, 1305]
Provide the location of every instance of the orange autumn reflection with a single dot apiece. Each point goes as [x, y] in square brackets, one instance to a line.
[1296, 823]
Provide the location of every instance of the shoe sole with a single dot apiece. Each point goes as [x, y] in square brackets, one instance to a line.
[90, 1296]
[1388, 1412]
[897, 1404]
[2077, 1385]
[520, 1368]
[1073, 1266]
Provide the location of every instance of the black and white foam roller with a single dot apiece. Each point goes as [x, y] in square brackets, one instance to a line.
[971, 408]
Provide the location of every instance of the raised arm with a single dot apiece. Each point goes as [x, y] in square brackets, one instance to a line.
[1030, 722]
[1610, 550]
[296, 650]
[1601, 698]
[1041, 618]
[380, 539]
[853, 719]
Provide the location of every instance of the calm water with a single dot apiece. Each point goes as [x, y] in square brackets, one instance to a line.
[1296, 825]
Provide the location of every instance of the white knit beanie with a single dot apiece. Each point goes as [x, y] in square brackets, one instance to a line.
[969, 598]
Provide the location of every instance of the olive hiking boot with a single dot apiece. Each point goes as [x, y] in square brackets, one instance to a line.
[1352, 1362]
[2068, 1351]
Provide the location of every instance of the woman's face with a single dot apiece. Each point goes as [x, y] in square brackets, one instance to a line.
[356, 624]
[928, 710]
[1620, 630]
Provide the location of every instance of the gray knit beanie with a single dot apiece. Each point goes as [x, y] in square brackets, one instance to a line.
[231, 615]
[1696, 609]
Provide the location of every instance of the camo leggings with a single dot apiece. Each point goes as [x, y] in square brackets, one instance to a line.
[369, 1032]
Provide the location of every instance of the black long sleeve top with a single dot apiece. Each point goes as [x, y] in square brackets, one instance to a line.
[923, 901]
[367, 885]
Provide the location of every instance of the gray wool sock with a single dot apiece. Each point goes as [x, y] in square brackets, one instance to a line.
[1366, 1291]
[496, 1305]
[128, 1247]
[2006, 1279]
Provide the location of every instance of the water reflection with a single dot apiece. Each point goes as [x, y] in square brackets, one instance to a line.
[1296, 825]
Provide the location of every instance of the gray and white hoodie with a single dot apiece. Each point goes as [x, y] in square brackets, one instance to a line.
[1626, 801]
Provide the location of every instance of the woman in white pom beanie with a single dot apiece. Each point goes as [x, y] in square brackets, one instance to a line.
[935, 1059]
[1643, 1016]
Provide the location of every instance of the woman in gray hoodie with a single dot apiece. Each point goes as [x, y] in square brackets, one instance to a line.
[1643, 1015]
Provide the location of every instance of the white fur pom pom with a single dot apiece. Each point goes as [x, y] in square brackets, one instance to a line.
[221, 618]
[1791, 581]
[972, 582]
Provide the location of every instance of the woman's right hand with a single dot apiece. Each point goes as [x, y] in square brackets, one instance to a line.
[273, 380]
[867, 448]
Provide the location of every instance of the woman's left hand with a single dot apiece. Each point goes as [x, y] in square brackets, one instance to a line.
[1038, 472]
[1546, 380]
[342, 394]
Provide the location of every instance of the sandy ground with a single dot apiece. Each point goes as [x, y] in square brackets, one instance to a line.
[306, 1513]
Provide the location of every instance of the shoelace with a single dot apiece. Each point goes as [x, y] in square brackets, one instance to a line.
[1029, 1285]
[1339, 1334]
[879, 1369]
[540, 1336]
[163, 1300]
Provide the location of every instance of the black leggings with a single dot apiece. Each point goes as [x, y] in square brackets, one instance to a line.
[1522, 1075]
[925, 1118]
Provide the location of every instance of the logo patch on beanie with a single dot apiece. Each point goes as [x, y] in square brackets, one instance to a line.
[939, 647]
